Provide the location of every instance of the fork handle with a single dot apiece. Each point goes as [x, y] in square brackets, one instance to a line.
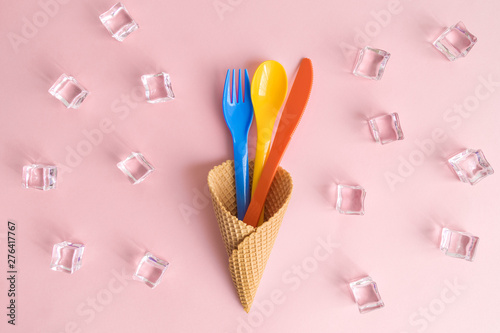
[241, 175]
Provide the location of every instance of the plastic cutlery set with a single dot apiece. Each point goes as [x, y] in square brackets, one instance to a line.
[239, 209]
[264, 99]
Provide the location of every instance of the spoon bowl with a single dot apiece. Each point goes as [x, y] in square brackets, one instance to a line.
[269, 88]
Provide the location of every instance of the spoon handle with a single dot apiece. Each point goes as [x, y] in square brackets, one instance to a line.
[261, 153]
[263, 144]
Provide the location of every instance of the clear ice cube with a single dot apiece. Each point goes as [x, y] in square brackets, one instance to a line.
[150, 270]
[69, 91]
[40, 177]
[455, 42]
[350, 200]
[136, 167]
[458, 244]
[471, 166]
[118, 22]
[386, 128]
[371, 63]
[67, 257]
[366, 294]
[158, 87]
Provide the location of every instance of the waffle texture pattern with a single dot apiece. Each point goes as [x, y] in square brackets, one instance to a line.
[248, 248]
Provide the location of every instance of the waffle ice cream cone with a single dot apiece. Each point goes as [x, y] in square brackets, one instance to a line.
[248, 248]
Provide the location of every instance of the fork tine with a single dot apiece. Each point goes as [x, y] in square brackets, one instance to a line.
[240, 88]
[233, 88]
[247, 87]
[227, 94]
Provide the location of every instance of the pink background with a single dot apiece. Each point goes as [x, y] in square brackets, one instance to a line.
[396, 242]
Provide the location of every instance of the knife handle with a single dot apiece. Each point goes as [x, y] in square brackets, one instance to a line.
[266, 178]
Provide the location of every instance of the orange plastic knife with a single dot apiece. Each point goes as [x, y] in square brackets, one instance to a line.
[294, 108]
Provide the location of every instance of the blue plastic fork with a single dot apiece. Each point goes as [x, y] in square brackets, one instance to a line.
[239, 114]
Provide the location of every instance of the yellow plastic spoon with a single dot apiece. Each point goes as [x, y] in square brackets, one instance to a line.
[269, 88]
